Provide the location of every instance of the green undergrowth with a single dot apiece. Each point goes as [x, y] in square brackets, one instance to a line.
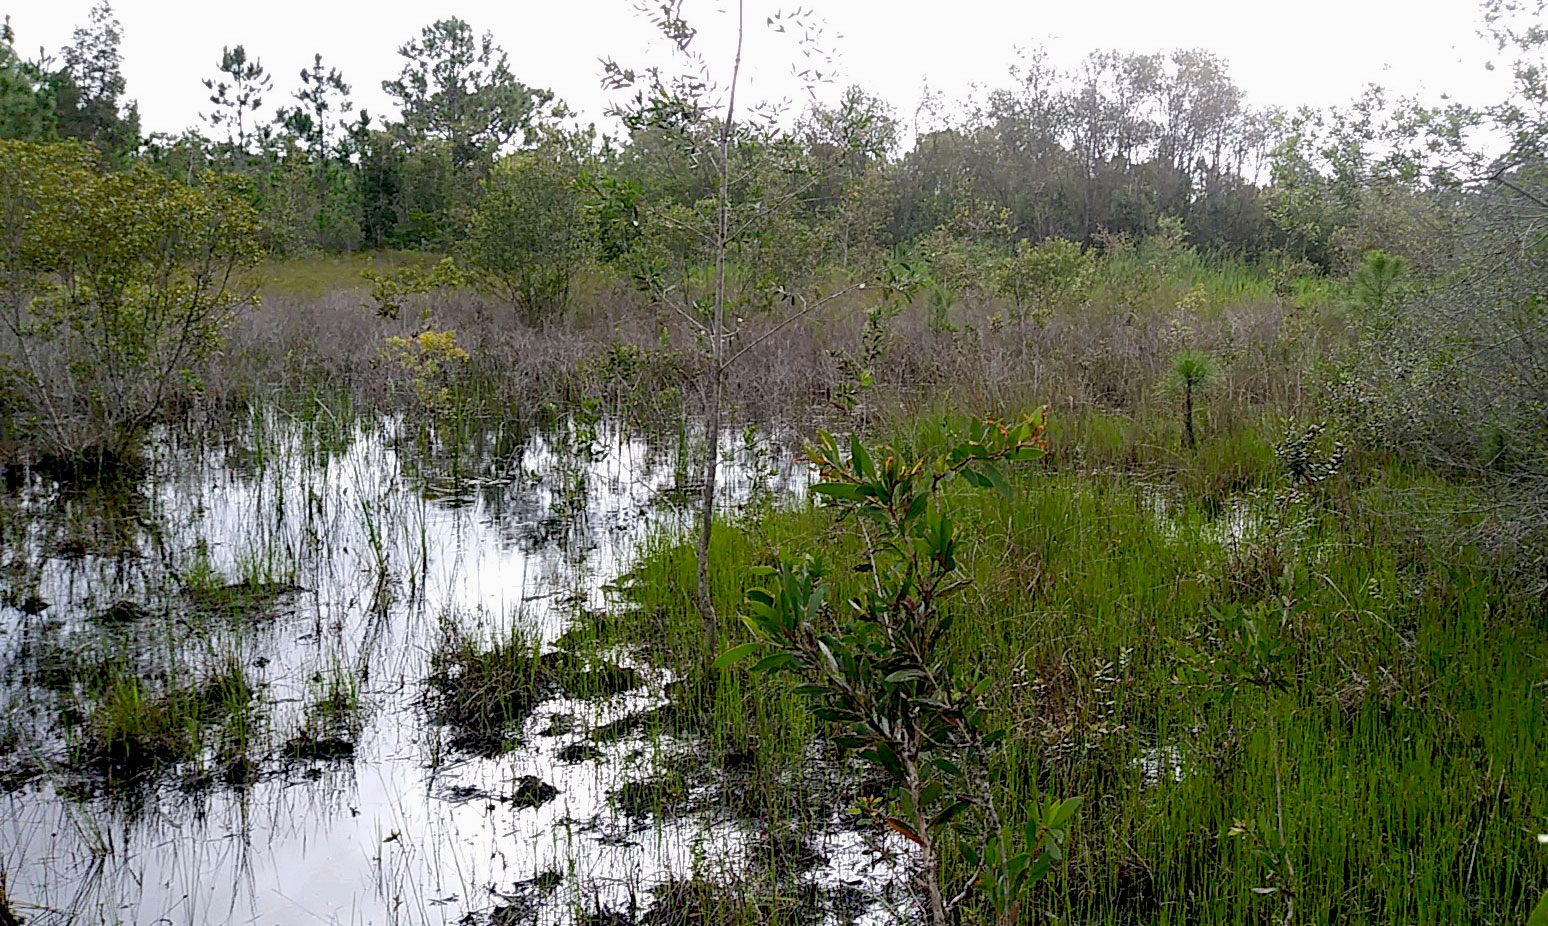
[1409, 730]
[483, 691]
[318, 275]
[137, 727]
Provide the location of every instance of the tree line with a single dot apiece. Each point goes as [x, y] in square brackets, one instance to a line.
[1108, 148]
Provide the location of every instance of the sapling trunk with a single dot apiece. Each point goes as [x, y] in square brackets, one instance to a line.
[1188, 413]
[706, 600]
[717, 366]
[929, 861]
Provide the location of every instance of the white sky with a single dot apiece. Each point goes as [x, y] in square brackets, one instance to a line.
[1317, 52]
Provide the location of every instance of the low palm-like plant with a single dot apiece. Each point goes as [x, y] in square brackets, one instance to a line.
[1192, 372]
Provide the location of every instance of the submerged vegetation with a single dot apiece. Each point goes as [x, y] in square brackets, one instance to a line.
[751, 518]
[485, 693]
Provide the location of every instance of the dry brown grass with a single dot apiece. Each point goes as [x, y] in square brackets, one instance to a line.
[615, 345]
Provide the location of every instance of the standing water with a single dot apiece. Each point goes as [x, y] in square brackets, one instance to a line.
[218, 691]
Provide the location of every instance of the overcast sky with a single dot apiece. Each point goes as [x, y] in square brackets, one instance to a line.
[1316, 52]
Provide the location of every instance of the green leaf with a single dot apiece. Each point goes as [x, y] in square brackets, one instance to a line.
[996, 479]
[976, 479]
[827, 656]
[1539, 915]
[773, 662]
[904, 675]
[813, 605]
[829, 448]
[951, 812]
[860, 460]
[882, 755]
[1039, 869]
[735, 655]
[1064, 813]
[839, 490]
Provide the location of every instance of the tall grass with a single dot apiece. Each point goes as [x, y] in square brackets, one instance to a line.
[136, 727]
[1410, 733]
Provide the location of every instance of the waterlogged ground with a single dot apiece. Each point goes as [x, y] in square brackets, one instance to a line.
[286, 594]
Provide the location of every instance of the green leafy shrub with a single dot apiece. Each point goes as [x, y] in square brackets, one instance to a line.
[882, 677]
[1039, 278]
[117, 285]
[528, 234]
